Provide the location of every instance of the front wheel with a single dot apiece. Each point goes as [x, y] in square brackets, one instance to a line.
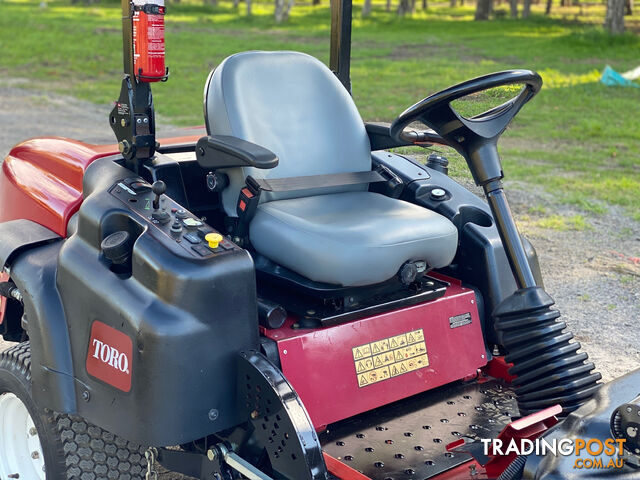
[43, 445]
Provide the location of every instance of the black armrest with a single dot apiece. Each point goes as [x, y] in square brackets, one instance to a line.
[380, 137]
[224, 151]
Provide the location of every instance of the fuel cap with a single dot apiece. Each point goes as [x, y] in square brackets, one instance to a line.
[116, 247]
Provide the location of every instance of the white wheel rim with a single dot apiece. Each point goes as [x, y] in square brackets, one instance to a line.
[20, 449]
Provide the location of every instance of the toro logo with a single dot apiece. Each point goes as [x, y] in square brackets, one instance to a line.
[109, 356]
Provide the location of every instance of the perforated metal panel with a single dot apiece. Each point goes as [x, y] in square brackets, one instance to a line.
[406, 440]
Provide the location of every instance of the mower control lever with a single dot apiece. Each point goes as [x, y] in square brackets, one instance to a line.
[158, 188]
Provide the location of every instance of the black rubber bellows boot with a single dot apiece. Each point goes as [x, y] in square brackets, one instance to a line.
[549, 369]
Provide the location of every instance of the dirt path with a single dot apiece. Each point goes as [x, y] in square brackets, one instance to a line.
[593, 273]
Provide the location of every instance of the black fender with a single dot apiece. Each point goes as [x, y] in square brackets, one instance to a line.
[22, 234]
[31, 252]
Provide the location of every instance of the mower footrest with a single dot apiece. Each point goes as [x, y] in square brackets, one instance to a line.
[408, 439]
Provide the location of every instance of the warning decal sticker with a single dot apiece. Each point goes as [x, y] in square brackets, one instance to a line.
[390, 357]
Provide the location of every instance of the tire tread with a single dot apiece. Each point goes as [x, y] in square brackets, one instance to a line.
[84, 451]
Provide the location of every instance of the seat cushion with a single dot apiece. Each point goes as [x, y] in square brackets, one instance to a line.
[351, 238]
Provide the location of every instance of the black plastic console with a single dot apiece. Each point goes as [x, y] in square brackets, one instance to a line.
[179, 312]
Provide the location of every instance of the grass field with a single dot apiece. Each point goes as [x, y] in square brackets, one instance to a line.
[578, 138]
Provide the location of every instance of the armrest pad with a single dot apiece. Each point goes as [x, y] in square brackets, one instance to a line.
[224, 151]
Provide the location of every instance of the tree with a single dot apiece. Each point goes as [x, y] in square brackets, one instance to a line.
[388, 5]
[483, 9]
[628, 9]
[614, 21]
[453, 3]
[283, 7]
[405, 6]
[547, 10]
[424, 4]
[513, 5]
[366, 8]
[526, 9]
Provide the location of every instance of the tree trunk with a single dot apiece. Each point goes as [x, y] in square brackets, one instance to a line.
[316, 2]
[281, 13]
[483, 9]
[236, 3]
[526, 9]
[453, 3]
[388, 5]
[366, 8]
[248, 8]
[404, 7]
[628, 8]
[513, 5]
[565, 3]
[547, 10]
[614, 21]
[424, 4]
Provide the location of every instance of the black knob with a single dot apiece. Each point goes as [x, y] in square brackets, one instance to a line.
[408, 273]
[216, 182]
[438, 162]
[158, 188]
[176, 228]
[116, 247]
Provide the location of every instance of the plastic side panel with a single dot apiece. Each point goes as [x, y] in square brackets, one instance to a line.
[41, 180]
[326, 366]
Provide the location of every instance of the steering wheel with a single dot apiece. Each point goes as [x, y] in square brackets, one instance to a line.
[475, 138]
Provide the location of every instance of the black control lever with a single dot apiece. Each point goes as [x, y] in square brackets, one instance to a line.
[476, 139]
[158, 188]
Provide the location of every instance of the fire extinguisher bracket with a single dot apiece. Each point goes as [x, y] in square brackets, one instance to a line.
[143, 78]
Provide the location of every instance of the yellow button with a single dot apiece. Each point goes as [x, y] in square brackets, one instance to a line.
[214, 239]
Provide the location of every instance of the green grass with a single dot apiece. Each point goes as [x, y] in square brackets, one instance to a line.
[578, 138]
[563, 223]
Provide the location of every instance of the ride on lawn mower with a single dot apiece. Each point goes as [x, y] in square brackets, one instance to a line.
[284, 297]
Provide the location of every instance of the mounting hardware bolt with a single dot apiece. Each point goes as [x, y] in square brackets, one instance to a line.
[86, 396]
[213, 414]
[212, 454]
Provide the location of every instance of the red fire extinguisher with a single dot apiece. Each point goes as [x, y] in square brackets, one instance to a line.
[148, 40]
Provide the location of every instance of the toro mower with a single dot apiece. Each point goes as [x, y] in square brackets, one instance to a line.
[282, 296]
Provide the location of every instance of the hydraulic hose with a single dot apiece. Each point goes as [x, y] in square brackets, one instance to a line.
[547, 366]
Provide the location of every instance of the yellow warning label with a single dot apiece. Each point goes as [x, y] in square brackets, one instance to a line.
[390, 357]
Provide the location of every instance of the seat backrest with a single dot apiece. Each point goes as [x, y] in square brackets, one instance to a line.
[292, 104]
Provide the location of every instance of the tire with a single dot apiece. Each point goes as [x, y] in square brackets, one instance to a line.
[72, 448]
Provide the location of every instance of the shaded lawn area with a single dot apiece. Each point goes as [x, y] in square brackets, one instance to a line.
[579, 139]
